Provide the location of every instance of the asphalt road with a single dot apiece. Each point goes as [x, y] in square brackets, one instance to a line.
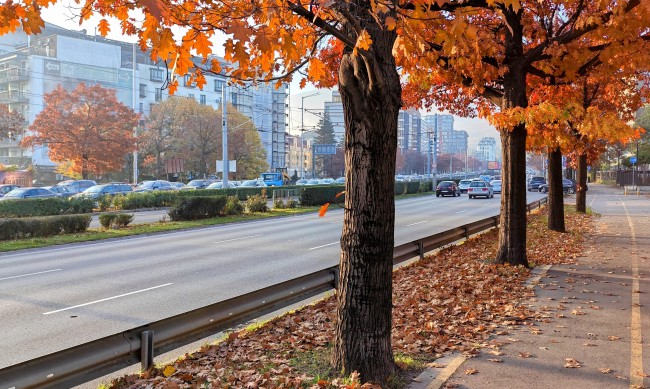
[55, 298]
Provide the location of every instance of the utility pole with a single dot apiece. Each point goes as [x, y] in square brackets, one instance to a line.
[224, 137]
[435, 150]
[302, 133]
[135, 128]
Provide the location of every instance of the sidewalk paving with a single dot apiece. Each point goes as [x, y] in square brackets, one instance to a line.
[596, 326]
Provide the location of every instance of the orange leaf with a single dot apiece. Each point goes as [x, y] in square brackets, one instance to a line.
[323, 210]
[103, 27]
[316, 69]
[339, 194]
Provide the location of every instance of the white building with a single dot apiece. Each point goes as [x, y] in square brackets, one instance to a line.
[31, 67]
[487, 149]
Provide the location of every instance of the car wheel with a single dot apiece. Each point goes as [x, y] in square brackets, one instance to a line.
[571, 190]
[437, 195]
[471, 197]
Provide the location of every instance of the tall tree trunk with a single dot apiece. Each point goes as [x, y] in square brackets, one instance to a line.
[371, 96]
[555, 192]
[84, 166]
[581, 190]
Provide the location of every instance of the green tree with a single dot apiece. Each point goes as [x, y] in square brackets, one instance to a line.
[643, 118]
[244, 145]
[324, 135]
[160, 134]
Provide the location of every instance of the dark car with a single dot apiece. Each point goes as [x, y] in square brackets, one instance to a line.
[480, 188]
[148, 186]
[77, 186]
[28, 193]
[6, 188]
[535, 182]
[568, 186]
[447, 188]
[197, 184]
[112, 189]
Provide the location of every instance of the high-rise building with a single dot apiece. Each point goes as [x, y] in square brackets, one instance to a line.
[334, 110]
[487, 149]
[32, 66]
[449, 141]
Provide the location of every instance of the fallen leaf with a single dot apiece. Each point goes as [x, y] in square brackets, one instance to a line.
[471, 371]
[589, 344]
[436, 365]
[571, 363]
[605, 370]
[642, 374]
[168, 371]
[612, 337]
[497, 360]
[523, 354]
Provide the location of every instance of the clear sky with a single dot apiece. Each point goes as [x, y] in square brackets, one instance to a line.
[63, 14]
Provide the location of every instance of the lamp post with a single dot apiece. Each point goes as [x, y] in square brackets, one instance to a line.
[302, 133]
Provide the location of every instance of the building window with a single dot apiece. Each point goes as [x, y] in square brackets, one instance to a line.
[187, 81]
[218, 85]
[141, 108]
[203, 99]
[156, 74]
[143, 90]
[158, 96]
[191, 96]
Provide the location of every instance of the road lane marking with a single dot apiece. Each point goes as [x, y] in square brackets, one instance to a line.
[412, 224]
[636, 338]
[30, 274]
[464, 210]
[486, 205]
[107, 299]
[234, 239]
[325, 245]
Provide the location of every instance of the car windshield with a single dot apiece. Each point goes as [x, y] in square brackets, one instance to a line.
[477, 184]
[215, 185]
[464, 182]
[16, 193]
[249, 183]
[196, 183]
[146, 184]
[445, 184]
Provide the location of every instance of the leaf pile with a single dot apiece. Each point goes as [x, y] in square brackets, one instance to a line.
[453, 300]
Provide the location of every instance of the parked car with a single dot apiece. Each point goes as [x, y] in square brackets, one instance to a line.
[340, 180]
[302, 181]
[148, 186]
[219, 185]
[28, 193]
[480, 188]
[77, 186]
[252, 184]
[568, 186]
[535, 182]
[327, 181]
[496, 185]
[463, 185]
[112, 189]
[313, 182]
[6, 188]
[197, 184]
[445, 188]
[62, 190]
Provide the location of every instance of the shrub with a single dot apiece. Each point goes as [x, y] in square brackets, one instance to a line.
[122, 219]
[425, 186]
[31, 227]
[319, 195]
[292, 203]
[257, 203]
[193, 208]
[105, 219]
[233, 206]
[80, 205]
[412, 187]
[104, 202]
[279, 204]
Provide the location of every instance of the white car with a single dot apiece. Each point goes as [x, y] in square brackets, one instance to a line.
[480, 188]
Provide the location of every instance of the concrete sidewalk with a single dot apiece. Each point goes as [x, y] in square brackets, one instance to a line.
[595, 328]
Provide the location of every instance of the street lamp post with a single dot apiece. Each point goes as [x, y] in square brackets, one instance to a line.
[302, 133]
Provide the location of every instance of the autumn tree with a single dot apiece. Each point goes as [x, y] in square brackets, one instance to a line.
[642, 118]
[11, 122]
[199, 136]
[161, 133]
[484, 54]
[88, 127]
[244, 145]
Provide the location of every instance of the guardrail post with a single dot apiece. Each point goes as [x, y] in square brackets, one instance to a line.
[466, 231]
[421, 249]
[335, 282]
[146, 350]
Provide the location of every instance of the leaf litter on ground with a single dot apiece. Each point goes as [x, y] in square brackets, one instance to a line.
[451, 301]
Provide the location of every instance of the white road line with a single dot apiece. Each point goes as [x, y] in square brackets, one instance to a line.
[30, 274]
[412, 224]
[464, 210]
[486, 205]
[106, 299]
[234, 239]
[325, 245]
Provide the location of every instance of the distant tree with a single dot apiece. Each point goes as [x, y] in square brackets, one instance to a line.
[11, 122]
[88, 127]
[643, 118]
[324, 135]
[198, 136]
[160, 134]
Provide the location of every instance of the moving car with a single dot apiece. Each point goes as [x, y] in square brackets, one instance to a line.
[480, 188]
[535, 182]
[28, 193]
[463, 185]
[447, 188]
[496, 185]
[568, 186]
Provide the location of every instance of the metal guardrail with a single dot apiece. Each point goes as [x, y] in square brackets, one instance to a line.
[85, 362]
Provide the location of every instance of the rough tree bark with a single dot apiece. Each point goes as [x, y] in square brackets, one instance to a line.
[512, 231]
[581, 190]
[555, 192]
[371, 96]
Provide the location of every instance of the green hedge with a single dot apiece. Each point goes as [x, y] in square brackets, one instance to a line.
[198, 207]
[32, 227]
[321, 194]
[44, 207]
[115, 220]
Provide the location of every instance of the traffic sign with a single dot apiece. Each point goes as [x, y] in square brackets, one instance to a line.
[633, 160]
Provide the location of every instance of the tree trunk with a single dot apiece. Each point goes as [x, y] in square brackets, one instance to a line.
[371, 96]
[512, 231]
[555, 192]
[581, 190]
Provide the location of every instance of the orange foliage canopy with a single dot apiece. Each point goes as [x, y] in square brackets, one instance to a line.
[88, 127]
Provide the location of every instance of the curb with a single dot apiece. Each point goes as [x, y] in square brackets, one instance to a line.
[435, 378]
